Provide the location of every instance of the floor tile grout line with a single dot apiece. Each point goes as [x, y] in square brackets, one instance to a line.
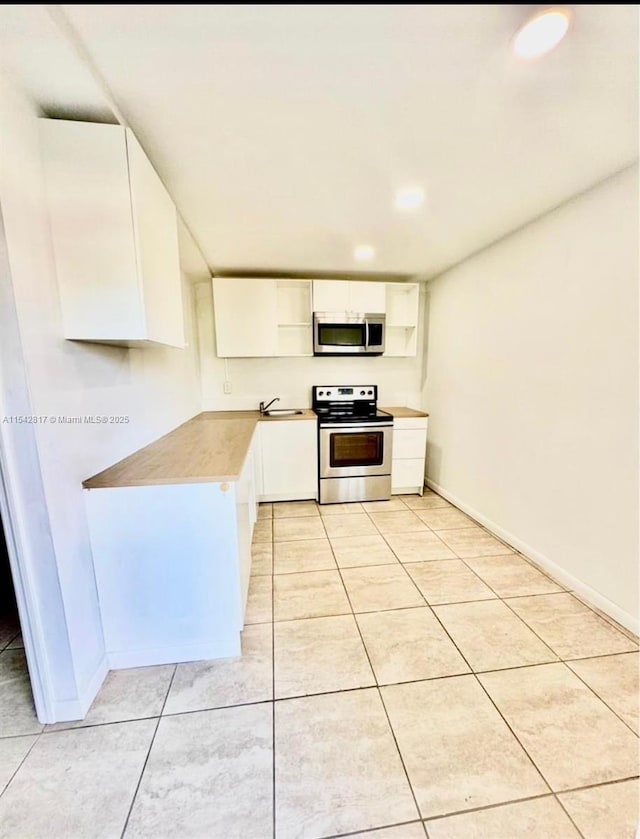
[536, 567]
[471, 669]
[146, 760]
[25, 733]
[455, 556]
[482, 808]
[544, 572]
[602, 616]
[521, 619]
[604, 655]
[371, 830]
[302, 695]
[571, 594]
[597, 695]
[376, 687]
[20, 765]
[353, 615]
[404, 564]
[397, 557]
[475, 676]
[547, 644]
[597, 786]
[525, 750]
[464, 658]
[540, 570]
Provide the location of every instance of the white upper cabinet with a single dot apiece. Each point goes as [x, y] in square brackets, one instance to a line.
[115, 236]
[246, 316]
[262, 317]
[349, 296]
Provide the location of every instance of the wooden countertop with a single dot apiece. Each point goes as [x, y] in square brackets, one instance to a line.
[209, 448]
[401, 412]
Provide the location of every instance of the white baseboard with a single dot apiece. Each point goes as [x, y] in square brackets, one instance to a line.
[76, 709]
[227, 647]
[566, 579]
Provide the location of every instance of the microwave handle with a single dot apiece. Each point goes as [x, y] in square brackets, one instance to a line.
[366, 334]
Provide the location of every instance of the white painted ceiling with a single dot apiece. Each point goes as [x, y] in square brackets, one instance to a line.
[282, 132]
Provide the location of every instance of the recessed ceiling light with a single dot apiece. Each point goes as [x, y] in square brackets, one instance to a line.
[363, 253]
[542, 33]
[409, 198]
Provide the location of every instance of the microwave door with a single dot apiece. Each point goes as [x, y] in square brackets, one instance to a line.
[340, 338]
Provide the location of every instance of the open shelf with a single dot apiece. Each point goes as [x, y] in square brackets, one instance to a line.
[295, 337]
[402, 319]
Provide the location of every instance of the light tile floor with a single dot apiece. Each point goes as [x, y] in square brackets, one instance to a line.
[405, 674]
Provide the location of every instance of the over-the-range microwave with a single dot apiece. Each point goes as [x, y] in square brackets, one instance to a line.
[346, 333]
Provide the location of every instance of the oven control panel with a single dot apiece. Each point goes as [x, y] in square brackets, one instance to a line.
[341, 393]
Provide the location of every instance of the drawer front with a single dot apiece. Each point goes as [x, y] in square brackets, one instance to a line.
[407, 444]
[407, 474]
[406, 423]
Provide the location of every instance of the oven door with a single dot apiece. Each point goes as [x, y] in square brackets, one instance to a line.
[351, 450]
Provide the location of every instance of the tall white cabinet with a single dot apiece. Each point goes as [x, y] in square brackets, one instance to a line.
[115, 236]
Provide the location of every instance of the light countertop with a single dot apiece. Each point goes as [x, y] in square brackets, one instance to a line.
[209, 448]
[401, 412]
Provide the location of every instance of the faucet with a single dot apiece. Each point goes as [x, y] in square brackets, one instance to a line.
[263, 407]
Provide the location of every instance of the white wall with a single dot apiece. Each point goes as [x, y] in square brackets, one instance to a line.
[157, 388]
[399, 380]
[532, 390]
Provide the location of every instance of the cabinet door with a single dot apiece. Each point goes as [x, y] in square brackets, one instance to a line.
[367, 297]
[411, 443]
[89, 203]
[407, 475]
[246, 317]
[331, 296]
[289, 459]
[156, 233]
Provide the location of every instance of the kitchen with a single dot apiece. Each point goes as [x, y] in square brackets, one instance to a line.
[529, 427]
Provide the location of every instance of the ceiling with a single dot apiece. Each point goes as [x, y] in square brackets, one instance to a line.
[282, 132]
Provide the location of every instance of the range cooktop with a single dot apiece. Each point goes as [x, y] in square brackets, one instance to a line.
[352, 403]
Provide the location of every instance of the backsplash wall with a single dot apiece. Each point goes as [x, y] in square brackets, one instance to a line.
[400, 380]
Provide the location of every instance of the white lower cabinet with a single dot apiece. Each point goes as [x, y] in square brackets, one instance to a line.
[289, 453]
[172, 565]
[409, 450]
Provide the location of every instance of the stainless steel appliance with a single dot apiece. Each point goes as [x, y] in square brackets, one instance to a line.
[346, 333]
[354, 444]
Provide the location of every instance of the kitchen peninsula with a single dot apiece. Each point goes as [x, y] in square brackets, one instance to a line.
[171, 528]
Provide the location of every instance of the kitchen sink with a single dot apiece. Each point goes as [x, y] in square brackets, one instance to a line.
[282, 412]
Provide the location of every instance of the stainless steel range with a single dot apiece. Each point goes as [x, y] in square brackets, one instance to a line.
[354, 444]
